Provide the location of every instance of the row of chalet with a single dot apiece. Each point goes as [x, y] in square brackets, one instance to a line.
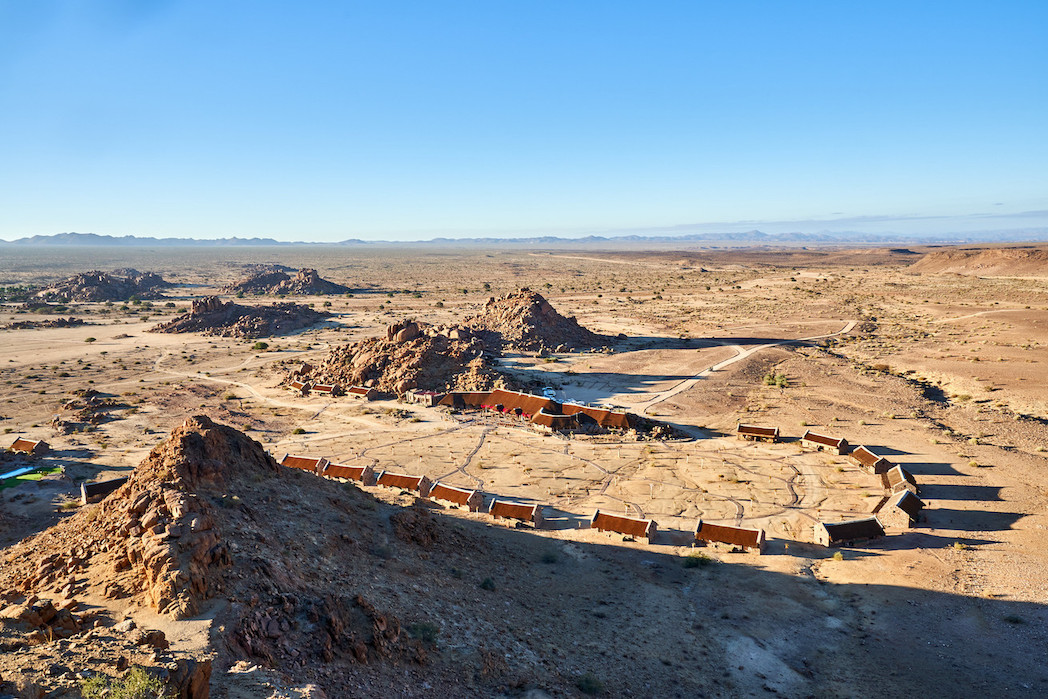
[332, 389]
[473, 500]
[900, 507]
[539, 410]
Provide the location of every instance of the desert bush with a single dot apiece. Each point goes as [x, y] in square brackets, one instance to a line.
[136, 684]
[487, 584]
[588, 683]
[839, 556]
[696, 559]
[298, 430]
[425, 631]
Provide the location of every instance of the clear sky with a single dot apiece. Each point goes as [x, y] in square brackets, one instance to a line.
[400, 120]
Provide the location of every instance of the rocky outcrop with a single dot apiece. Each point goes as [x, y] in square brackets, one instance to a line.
[306, 282]
[212, 316]
[69, 322]
[98, 286]
[524, 320]
[412, 355]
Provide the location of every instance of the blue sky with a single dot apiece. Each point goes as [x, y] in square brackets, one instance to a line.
[333, 120]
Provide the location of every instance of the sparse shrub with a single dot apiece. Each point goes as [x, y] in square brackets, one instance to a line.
[588, 683]
[230, 396]
[298, 430]
[550, 557]
[696, 559]
[136, 684]
[839, 556]
[487, 584]
[425, 631]
[90, 339]
[960, 546]
[1014, 619]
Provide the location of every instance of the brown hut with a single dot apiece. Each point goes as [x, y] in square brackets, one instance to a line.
[419, 484]
[363, 474]
[869, 461]
[305, 463]
[752, 539]
[901, 510]
[843, 533]
[897, 478]
[516, 510]
[28, 446]
[757, 434]
[821, 442]
[471, 499]
[629, 526]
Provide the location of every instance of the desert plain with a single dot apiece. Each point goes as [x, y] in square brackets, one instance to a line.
[934, 357]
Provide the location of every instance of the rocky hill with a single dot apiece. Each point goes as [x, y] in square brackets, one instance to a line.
[98, 286]
[1026, 261]
[524, 320]
[212, 316]
[306, 282]
[412, 356]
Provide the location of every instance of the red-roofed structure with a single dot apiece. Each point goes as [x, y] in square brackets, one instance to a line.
[516, 510]
[419, 484]
[472, 499]
[757, 434]
[305, 463]
[821, 441]
[736, 536]
[629, 526]
[869, 461]
[28, 446]
[363, 474]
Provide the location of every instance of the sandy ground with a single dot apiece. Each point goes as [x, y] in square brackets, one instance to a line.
[943, 374]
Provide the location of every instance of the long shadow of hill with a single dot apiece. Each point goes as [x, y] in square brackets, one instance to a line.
[657, 627]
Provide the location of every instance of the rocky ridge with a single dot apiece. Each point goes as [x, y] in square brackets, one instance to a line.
[306, 282]
[168, 540]
[212, 316]
[98, 286]
[411, 355]
[525, 321]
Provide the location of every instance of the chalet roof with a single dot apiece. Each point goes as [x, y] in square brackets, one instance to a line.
[623, 525]
[307, 463]
[907, 502]
[604, 418]
[823, 439]
[26, 445]
[897, 475]
[866, 528]
[865, 456]
[450, 493]
[344, 471]
[511, 510]
[758, 431]
[737, 536]
[401, 480]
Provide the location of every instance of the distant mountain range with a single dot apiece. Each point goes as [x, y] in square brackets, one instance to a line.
[746, 238]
